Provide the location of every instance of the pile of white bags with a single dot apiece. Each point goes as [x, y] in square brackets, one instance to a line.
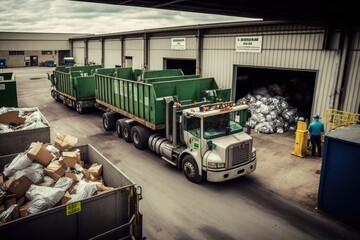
[270, 111]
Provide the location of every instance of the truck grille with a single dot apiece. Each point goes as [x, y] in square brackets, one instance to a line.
[239, 153]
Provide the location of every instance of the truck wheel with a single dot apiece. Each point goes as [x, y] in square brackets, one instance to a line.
[109, 120]
[53, 94]
[140, 136]
[191, 169]
[79, 108]
[118, 126]
[125, 130]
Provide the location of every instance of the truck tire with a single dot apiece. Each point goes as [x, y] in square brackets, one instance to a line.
[109, 120]
[118, 128]
[125, 130]
[53, 94]
[79, 108]
[140, 136]
[191, 170]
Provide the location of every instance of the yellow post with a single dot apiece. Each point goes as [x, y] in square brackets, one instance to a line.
[301, 140]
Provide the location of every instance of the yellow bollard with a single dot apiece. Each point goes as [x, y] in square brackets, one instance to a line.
[301, 140]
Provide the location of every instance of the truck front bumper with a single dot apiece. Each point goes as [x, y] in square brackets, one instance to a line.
[225, 175]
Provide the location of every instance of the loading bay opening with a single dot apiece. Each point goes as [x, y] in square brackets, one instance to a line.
[188, 66]
[297, 85]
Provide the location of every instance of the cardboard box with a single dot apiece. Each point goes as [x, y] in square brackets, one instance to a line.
[65, 142]
[95, 170]
[9, 200]
[67, 197]
[74, 176]
[11, 117]
[56, 167]
[18, 186]
[24, 210]
[40, 154]
[70, 158]
[55, 170]
[21, 201]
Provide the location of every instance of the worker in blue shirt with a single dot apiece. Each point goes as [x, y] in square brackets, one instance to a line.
[315, 129]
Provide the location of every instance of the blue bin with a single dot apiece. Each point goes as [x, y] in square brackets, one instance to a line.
[2, 62]
[339, 193]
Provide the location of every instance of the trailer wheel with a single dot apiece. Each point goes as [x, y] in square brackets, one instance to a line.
[191, 170]
[118, 128]
[53, 94]
[79, 108]
[109, 120]
[140, 136]
[125, 130]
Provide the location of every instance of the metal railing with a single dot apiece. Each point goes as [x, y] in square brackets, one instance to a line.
[338, 118]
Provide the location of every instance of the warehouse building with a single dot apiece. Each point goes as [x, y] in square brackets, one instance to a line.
[317, 66]
[18, 49]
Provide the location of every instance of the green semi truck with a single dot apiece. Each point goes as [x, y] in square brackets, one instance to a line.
[189, 121]
[74, 86]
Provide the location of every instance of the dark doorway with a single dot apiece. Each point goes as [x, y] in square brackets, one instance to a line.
[62, 54]
[33, 60]
[297, 86]
[188, 66]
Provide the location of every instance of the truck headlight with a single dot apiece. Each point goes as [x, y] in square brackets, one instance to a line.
[253, 154]
[216, 165]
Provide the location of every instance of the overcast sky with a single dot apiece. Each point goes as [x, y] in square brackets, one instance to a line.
[65, 16]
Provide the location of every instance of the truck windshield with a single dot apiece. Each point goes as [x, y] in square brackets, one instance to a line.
[215, 126]
[193, 126]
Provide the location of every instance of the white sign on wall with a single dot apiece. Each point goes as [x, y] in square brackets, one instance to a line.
[251, 44]
[178, 44]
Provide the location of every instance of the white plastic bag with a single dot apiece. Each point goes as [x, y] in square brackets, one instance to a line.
[43, 198]
[64, 183]
[83, 190]
[34, 172]
[21, 161]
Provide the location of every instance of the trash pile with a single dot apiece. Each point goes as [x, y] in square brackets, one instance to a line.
[45, 176]
[14, 119]
[270, 111]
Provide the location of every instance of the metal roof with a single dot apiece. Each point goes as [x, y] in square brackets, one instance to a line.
[179, 28]
[333, 13]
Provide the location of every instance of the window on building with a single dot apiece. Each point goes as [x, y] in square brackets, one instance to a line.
[16, 53]
[46, 52]
[128, 61]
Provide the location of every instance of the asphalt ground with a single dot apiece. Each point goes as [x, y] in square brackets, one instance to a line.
[277, 201]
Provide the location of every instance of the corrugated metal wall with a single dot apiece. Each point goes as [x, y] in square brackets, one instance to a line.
[160, 48]
[79, 52]
[112, 50]
[286, 47]
[94, 51]
[352, 90]
[134, 47]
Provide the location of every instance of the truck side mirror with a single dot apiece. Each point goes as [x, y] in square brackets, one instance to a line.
[248, 114]
[210, 145]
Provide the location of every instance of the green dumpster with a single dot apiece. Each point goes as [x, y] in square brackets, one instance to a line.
[8, 93]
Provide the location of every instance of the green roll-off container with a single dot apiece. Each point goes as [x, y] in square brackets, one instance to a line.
[8, 92]
[143, 100]
[76, 82]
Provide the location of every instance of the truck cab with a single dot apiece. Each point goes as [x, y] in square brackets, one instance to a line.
[69, 61]
[217, 147]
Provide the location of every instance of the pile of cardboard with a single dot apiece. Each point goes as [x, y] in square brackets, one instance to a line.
[14, 119]
[55, 165]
